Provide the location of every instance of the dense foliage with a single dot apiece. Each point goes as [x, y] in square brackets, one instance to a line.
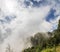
[39, 41]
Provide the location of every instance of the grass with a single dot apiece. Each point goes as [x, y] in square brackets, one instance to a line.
[52, 49]
[58, 49]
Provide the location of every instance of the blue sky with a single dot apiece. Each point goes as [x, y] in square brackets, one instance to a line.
[7, 19]
[35, 3]
[51, 15]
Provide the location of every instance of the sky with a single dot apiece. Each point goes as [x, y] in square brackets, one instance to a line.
[20, 19]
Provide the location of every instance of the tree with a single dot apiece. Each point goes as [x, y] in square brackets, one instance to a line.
[57, 34]
[58, 25]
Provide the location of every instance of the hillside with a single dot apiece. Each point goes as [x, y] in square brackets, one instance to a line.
[52, 49]
[40, 42]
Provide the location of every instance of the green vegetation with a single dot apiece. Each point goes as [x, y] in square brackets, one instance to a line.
[52, 49]
[44, 44]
